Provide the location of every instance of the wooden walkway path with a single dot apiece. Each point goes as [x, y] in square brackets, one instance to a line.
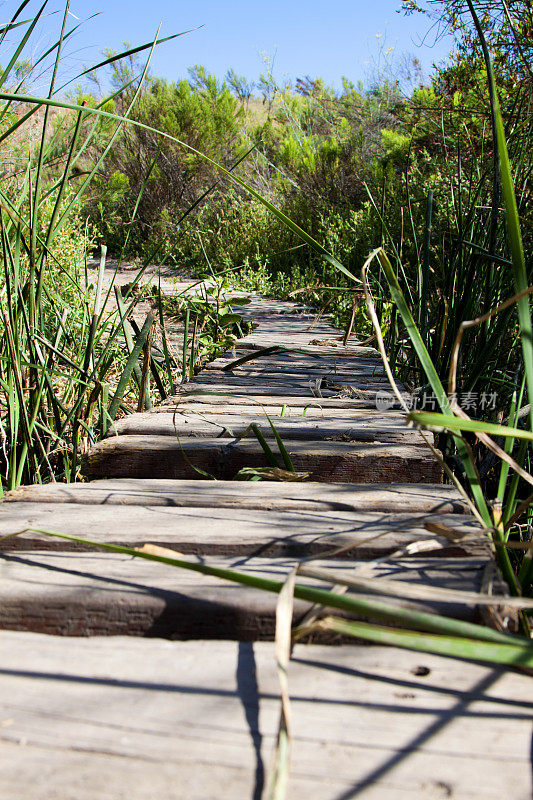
[114, 717]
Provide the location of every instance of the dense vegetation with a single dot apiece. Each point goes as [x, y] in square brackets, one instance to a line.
[355, 168]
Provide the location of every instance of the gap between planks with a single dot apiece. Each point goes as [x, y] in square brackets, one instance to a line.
[332, 462]
[367, 426]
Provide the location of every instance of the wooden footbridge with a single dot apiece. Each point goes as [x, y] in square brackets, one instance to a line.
[188, 710]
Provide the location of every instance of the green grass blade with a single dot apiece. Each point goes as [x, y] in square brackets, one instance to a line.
[508, 447]
[512, 219]
[154, 371]
[164, 342]
[271, 458]
[22, 44]
[127, 333]
[130, 364]
[434, 380]
[510, 655]
[4, 30]
[282, 449]
[66, 35]
[376, 609]
[424, 271]
[19, 122]
[446, 422]
[131, 52]
[185, 343]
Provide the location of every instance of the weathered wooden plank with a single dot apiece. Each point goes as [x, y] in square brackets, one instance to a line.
[249, 388]
[292, 335]
[365, 358]
[288, 404]
[291, 382]
[300, 363]
[268, 322]
[277, 374]
[115, 718]
[274, 312]
[333, 462]
[328, 378]
[291, 341]
[271, 324]
[260, 305]
[370, 426]
[266, 495]
[294, 408]
[335, 349]
[309, 365]
[234, 387]
[232, 531]
[345, 358]
[286, 332]
[89, 594]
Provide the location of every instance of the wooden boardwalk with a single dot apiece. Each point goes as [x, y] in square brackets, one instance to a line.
[114, 717]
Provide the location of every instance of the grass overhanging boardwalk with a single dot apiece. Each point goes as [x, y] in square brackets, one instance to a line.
[190, 709]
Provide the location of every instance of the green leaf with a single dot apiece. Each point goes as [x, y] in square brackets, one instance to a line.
[271, 458]
[130, 364]
[445, 422]
[228, 319]
[434, 380]
[516, 654]
[282, 449]
[372, 608]
[512, 219]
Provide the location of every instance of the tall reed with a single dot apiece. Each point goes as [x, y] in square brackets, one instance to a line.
[63, 372]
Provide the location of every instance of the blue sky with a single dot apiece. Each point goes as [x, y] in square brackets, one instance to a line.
[327, 38]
